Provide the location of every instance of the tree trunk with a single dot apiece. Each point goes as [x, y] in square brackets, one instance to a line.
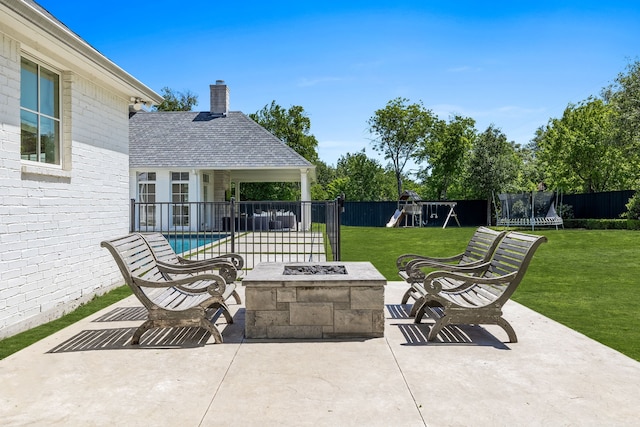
[399, 181]
[489, 211]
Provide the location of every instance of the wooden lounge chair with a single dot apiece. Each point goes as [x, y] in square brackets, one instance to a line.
[164, 252]
[229, 266]
[192, 300]
[475, 295]
[478, 251]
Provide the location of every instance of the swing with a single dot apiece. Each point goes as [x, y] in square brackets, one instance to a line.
[433, 209]
[533, 209]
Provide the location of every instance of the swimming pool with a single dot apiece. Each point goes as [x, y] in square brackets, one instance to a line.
[185, 242]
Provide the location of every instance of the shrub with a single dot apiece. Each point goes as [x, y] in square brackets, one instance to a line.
[633, 207]
[602, 224]
[633, 224]
[565, 211]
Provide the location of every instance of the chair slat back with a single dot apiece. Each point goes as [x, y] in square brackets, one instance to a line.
[135, 260]
[482, 245]
[161, 248]
[512, 255]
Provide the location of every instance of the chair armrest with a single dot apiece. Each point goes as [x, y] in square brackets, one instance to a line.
[198, 267]
[415, 274]
[404, 260]
[433, 286]
[217, 287]
[423, 263]
[235, 259]
[224, 268]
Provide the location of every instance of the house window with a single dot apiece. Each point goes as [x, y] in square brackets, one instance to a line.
[205, 188]
[39, 113]
[180, 198]
[147, 198]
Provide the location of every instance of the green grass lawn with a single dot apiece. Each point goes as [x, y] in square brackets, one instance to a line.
[588, 280]
[19, 341]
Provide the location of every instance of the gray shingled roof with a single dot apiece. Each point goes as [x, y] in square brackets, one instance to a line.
[202, 141]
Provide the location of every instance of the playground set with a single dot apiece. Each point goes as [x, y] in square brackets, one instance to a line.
[411, 209]
[535, 209]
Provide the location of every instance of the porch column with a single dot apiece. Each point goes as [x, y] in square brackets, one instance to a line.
[305, 197]
[195, 185]
[304, 185]
[237, 195]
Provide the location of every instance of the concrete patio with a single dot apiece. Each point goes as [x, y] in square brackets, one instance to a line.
[87, 374]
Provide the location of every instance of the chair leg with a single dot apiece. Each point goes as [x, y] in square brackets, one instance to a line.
[226, 313]
[419, 311]
[236, 297]
[205, 324]
[414, 308]
[508, 329]
[214, 310]
[435, 329]
[406, 296]
[135, 340]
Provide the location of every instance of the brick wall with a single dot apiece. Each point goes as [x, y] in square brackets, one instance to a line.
[51, 225]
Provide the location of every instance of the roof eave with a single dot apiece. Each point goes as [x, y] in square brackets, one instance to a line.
[28, 21]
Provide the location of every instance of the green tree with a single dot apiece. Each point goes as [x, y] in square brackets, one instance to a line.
[319, 192]
[492, 166]
[624, 95]
[361, 178]
[582, 150]
[446, 150]
[176, 101]
[291, 126]
[325, 174]
[399, 129]
[533, 169]
[337, 187]
[270, 191]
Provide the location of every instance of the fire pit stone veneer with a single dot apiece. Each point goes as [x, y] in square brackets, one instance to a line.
[314, 301]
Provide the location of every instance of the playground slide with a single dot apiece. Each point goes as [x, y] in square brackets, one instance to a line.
[396, 218]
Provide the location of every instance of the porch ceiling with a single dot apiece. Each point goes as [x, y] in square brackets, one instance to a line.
[270, 175]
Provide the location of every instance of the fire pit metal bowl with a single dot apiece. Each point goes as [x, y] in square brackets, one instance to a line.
[314, 269]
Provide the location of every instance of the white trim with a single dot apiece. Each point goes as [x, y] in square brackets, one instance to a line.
[33, 26]
[43, 64]
[36, 168]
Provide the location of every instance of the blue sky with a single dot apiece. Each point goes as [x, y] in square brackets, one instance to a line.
[514, 64]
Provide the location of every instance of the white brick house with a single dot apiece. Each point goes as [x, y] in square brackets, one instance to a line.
[64, 166]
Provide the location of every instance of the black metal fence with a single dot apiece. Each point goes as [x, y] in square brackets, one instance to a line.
[471, 213]
[377, 214]
[605, 205]
[266, 231]
[310, 231]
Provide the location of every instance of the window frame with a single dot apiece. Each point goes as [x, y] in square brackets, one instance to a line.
[59, 149]
[180, 215]
[147, 211]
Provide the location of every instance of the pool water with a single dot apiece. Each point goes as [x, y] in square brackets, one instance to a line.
[183, 243]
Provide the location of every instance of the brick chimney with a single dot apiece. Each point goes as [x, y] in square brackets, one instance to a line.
[219, 98]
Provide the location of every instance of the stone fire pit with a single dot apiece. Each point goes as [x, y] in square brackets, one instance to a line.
[314, 300]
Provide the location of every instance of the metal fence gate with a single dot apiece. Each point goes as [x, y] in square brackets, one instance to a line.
[267, 231]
